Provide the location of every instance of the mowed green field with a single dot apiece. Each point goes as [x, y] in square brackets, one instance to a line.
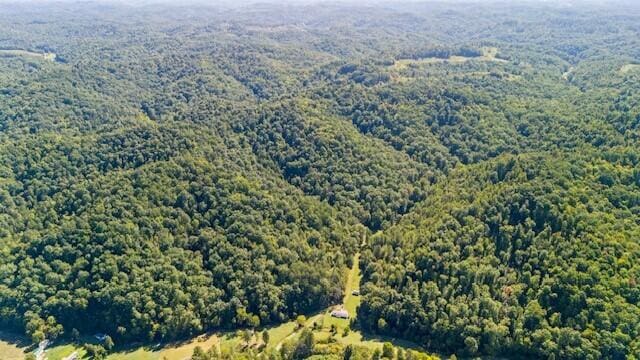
[60, 352]
[174, 351]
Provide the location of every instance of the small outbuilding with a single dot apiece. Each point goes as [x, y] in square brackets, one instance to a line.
[340, 313]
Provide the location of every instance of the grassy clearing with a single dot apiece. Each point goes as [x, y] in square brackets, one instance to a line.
[175, 351]
[60, 352]
[629, 68]
[184, 350]
[178, 350]
[317, 319]
[351, 302]
[488, 54]
[138, 354]
[277, 334]
[25, 53]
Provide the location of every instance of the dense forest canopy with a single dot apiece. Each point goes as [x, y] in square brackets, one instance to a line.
[170, 169]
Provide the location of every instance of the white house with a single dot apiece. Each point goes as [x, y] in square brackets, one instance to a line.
[340, 313]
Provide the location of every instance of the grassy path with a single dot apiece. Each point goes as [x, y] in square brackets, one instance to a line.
[351, 302]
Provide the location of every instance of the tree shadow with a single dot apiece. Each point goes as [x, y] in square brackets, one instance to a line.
[405, 344]
[17, 340]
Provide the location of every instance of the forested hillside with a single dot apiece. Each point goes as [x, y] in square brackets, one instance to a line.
[532, 255]
[168, 170]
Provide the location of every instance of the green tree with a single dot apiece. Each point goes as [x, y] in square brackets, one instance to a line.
[348, 352]
[95, 352]
[108, 343]
[75, 334]
[387, 350]
[301, 320]
[198, 354]
[471, 345]
[401, 354]
[305, 345]
[382, 324]
[377, 355]
[247, 336]
[37, 336]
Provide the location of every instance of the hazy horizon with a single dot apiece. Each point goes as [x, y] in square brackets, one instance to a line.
[365, 2]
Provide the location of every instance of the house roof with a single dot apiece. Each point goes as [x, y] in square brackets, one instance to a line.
[340, 312]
